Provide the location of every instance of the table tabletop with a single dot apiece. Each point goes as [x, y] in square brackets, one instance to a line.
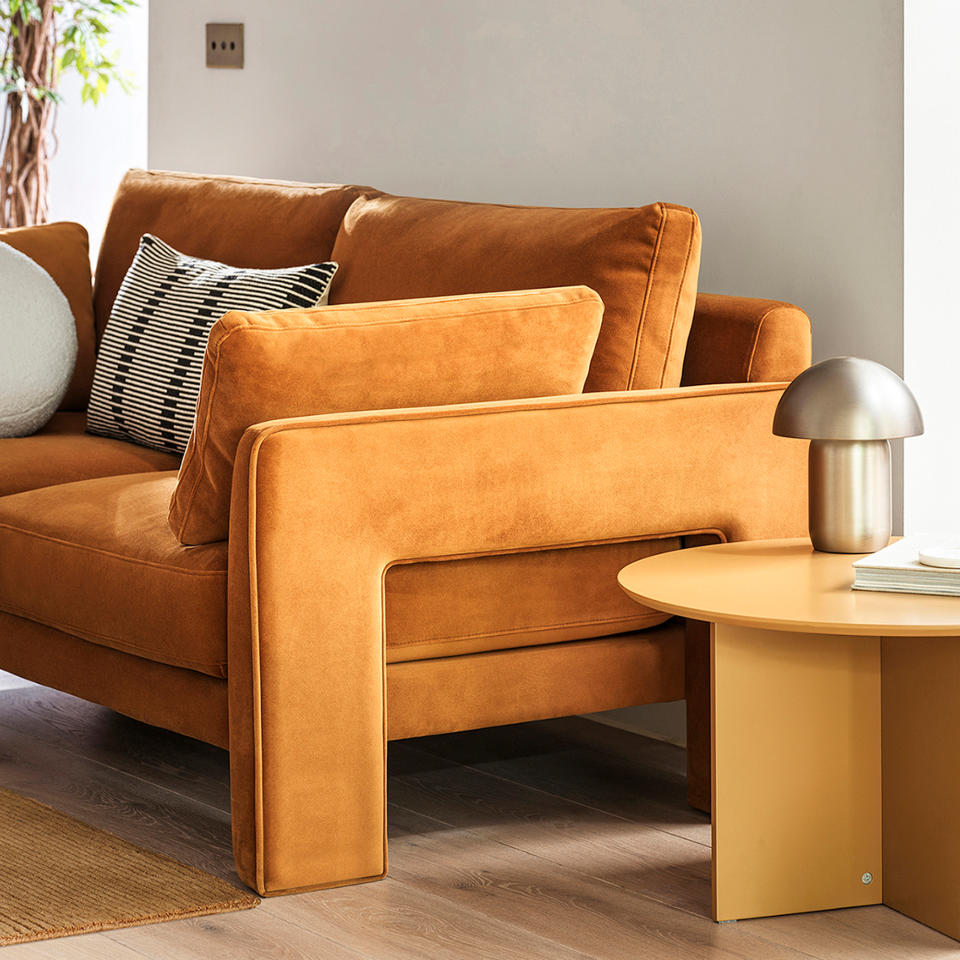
[782, 585]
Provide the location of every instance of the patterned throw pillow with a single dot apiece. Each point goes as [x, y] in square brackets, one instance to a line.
[147, 377]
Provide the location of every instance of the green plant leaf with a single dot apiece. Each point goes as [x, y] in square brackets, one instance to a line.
[82, 47]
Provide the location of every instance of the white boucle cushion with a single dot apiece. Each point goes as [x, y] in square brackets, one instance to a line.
[38, 344]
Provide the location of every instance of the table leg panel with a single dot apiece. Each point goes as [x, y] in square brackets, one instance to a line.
[921, 779]
[796, 771]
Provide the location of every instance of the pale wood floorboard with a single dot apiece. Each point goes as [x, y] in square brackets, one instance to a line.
[562, 840]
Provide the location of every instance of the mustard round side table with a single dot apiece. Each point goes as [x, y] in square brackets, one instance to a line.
[836, 731]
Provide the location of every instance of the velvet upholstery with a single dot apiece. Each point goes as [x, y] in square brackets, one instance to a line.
[375, 560]
[165, 602]
[745, 340]
[61, 452]
[444, 607]
[533, 683]
[188, 702]
[411, 353]
[243, 222]
[465, 692]
[642, 261]
[307, 773]
[153, 597]
[63, 250]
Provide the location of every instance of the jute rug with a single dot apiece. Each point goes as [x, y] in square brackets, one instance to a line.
[59, 877]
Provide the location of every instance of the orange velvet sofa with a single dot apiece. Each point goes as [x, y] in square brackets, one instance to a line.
[444, 598]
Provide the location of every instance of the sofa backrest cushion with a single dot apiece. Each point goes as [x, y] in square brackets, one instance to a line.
[63, 250]
[414, 353]
[243, 222]
[642, 261]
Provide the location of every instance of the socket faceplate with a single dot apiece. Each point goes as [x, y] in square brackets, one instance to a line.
[225, 45]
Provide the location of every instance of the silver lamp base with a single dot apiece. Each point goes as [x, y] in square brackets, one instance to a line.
[850, 501]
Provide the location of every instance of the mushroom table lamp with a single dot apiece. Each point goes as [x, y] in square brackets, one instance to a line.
[849, 409]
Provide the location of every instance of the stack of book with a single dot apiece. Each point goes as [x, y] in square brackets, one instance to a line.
[897, 569]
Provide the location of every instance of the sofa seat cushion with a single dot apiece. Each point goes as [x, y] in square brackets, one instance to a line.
[97, 560]
[61, 452]
[474, 604]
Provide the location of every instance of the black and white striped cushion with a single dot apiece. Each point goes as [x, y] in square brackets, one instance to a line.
[148, 368]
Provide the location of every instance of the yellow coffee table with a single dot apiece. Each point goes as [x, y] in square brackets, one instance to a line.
[836, 731]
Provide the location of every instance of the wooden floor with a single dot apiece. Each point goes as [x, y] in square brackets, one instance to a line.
[563, 839]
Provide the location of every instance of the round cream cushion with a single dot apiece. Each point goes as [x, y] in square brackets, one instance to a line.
[38, 344]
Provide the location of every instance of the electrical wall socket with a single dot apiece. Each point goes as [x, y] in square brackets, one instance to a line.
[225, 45]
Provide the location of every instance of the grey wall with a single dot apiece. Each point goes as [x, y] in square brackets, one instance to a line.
[779, 121]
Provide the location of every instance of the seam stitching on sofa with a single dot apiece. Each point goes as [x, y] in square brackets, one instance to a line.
[417, 319]
[631, 376]
[124, 646]
[676, 302]
[566, 545]
[383, 195]
[756, 340]
[537, 628]
[256, 700]
[420, 414]
[384, 731]
[108, 553]
[534, 650]
[246, 181]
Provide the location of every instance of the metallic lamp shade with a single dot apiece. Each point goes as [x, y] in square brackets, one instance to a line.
[849, 408]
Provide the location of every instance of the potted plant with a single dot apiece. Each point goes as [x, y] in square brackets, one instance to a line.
[39, 41]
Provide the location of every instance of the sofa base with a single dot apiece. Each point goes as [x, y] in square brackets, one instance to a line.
[174, 698]
[423, 697]
[464, 692]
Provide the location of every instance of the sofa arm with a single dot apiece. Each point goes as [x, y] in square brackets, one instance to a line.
[745, 340]
[322, 506]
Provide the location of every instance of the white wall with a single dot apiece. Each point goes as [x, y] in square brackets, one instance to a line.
[779, 121]
[931, 255]
[97, 144]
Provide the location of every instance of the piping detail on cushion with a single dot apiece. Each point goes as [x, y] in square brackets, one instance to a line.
[676, 302]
